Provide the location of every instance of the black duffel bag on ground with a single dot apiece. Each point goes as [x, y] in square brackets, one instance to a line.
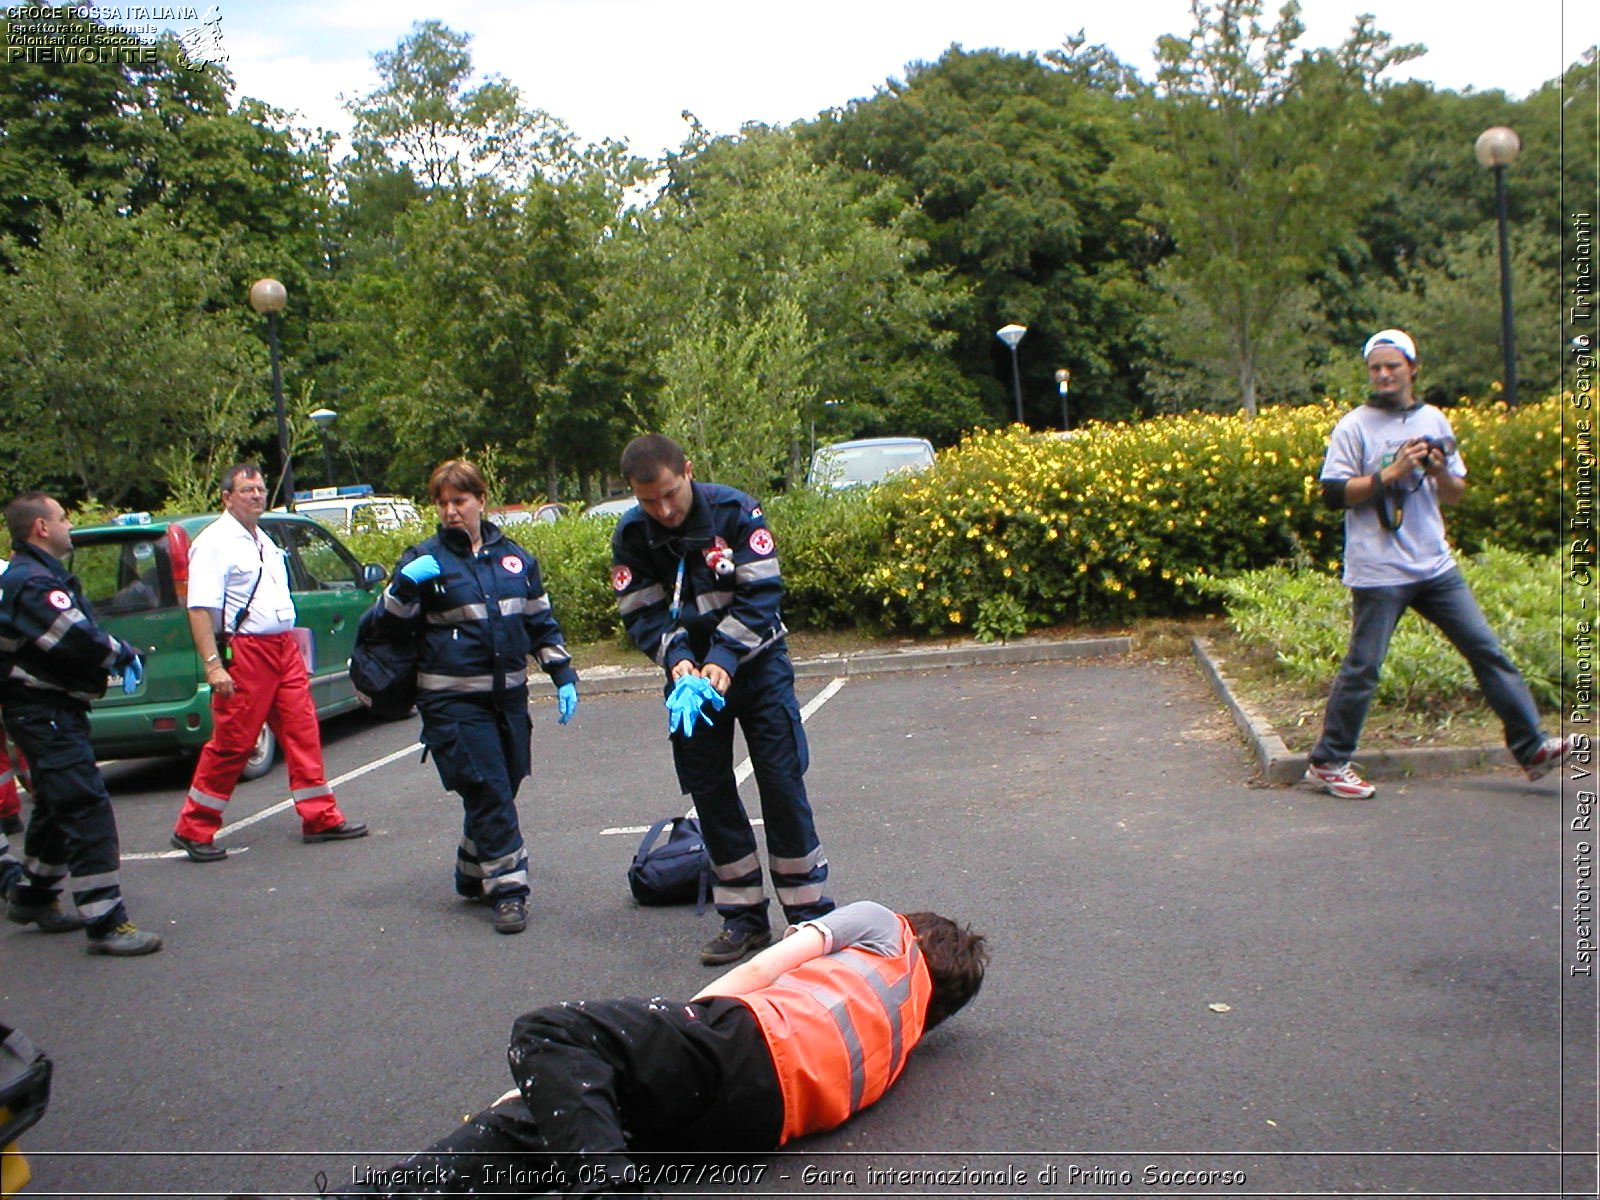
[676, 872]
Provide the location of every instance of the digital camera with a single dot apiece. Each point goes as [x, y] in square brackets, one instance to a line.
[1444, 445]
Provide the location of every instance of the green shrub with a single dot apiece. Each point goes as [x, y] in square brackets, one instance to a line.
[830, 545]
[1304, 617]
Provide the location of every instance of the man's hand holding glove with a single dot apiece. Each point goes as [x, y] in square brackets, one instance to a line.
[684, 703]
[132, 672]
[421, 569]
[566, 702]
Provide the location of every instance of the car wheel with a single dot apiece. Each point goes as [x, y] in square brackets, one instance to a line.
[262, 757]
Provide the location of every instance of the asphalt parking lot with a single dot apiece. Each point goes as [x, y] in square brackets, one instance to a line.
[1191, 974]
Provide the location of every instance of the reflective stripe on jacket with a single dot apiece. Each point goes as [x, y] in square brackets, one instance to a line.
[839, 1028]
[49, 641]
[726, 616]
[479, 622]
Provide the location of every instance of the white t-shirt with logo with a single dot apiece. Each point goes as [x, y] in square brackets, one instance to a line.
[1364, 441]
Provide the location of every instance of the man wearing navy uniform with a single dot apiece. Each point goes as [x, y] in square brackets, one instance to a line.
[695, 570]
[54, 660]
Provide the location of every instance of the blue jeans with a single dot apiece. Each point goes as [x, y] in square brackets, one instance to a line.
[1446, 601]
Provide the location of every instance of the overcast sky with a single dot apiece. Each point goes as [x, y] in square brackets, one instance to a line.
[628, 68]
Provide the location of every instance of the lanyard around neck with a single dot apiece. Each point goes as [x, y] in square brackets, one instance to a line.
[677, 587]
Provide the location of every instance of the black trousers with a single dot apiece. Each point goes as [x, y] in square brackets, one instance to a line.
[72, 828]
[762, 701]
[600, 1080]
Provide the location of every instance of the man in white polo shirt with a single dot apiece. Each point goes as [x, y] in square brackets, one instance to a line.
[239, 589]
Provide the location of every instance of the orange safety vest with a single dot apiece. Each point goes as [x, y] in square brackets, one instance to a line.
[839, 1028]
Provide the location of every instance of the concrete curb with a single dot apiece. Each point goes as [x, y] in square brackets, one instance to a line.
[881, 662]
[1279, 766]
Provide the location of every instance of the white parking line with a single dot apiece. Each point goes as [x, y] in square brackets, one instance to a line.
[740, 774]
[274, 810]
[743, 770]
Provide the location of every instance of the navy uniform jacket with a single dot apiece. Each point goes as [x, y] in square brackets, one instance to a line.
[50, 645]
[480, 620]
[728, 617]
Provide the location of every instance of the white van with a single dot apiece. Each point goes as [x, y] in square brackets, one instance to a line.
[354, 509]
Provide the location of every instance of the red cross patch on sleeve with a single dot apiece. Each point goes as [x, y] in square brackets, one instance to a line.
[621, 577]
[761, 542]
[512, 564]
[59, 599]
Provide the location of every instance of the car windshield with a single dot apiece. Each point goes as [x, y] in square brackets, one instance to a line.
[852, 465]
[125, 574]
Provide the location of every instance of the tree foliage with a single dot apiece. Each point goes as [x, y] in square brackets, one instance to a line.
[1264, 160]
[753, 235]
[1010, 171]
[466, 277]
[112, 351]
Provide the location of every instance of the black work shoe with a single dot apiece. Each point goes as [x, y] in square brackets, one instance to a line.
[341, 832]
[733, 944]
[199, 851]
[48, 917]
[11, 824]
[510, 915]
[125, 941]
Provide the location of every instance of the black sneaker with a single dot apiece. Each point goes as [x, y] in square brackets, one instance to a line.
[733, 944]
[510, 915]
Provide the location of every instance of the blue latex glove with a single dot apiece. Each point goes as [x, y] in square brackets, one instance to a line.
[566, 701]
[421, 569]
[132, 676]
[707, 693]
[682, 707]
[684, 704]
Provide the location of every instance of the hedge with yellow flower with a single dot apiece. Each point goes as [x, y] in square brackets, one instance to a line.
[1013, 529]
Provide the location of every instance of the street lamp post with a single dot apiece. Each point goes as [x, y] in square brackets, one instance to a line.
[1063, 381]
[1011, 335]
[324, 418]
[1497, 148]
[267, 297]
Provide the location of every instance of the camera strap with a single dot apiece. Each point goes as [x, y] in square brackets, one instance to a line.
[1390, 519]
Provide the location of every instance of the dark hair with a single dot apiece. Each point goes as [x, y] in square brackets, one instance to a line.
[230, 477]
[644, 458]
[956, 959]
[23, 511]
[458, 475]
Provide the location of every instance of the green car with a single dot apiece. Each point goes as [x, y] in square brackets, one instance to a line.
[135, 572]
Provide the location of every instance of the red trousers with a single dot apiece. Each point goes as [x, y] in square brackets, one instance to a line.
[10, 802]
[271, 687]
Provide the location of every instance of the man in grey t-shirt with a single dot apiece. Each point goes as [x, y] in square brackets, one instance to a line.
[1390, 465]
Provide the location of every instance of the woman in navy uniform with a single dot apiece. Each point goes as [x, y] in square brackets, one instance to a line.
[474, 600]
